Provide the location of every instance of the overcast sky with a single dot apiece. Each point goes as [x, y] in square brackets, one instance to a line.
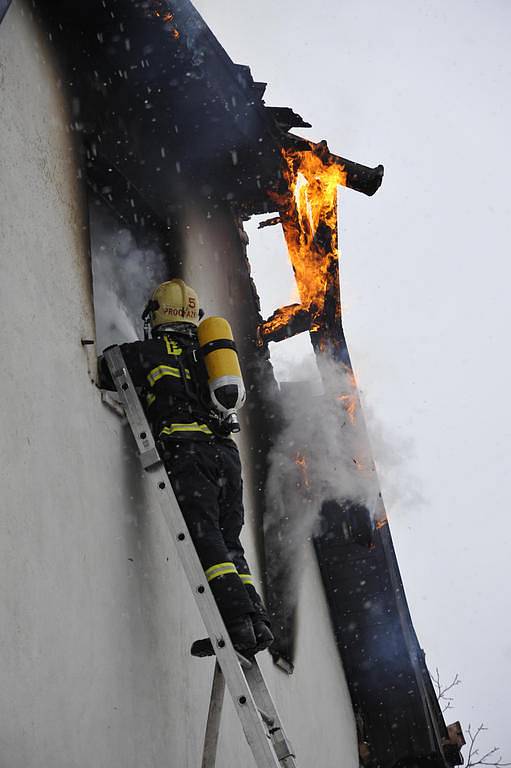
[424, 88]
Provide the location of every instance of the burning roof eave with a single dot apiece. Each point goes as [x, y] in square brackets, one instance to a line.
[189, 85]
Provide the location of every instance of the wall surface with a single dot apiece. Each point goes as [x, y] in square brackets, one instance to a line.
[96, 618]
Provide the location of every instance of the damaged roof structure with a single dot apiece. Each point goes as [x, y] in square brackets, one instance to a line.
[171, 131]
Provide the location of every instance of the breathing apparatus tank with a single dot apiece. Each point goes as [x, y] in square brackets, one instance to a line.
[222, 365]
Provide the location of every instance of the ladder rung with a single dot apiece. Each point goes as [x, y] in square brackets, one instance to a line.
[268, 719]
[245, 663]
[281, 746]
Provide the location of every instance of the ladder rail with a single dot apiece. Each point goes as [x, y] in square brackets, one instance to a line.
[262, 698]
[268, 711]
[251, 721]
[214, 717]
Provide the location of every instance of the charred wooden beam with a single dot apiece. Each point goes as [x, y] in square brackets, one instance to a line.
[270, 222]
[284, 323]
[360, 178]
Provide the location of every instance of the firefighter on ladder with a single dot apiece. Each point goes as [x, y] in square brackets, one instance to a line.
[200, 457]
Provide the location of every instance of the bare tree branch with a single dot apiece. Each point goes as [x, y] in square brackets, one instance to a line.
[492, 757]
[474, 758]
[442, 691]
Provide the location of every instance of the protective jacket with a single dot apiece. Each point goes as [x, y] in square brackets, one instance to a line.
[170, 375]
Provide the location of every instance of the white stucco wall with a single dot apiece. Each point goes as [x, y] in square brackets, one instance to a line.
[96, 619]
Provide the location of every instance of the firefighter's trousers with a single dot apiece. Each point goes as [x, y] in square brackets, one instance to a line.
[206, 478]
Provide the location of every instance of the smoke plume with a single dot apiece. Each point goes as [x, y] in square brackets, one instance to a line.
[322, 454]
[124, 275]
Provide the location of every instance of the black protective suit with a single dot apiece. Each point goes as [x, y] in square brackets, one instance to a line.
[202, 461]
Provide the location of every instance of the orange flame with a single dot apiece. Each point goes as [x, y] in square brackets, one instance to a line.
[166, 16]
[349, 400]
[312, 244]
[301, 463]
[284, 319]
[280, 317]
[309, 218]
[349, 403]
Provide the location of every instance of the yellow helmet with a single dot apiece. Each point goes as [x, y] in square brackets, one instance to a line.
[174, 302]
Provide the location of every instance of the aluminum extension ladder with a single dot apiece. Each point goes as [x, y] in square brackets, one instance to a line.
[244, 680]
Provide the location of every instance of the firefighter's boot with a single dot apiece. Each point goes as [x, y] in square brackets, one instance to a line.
[263, 634]
[241, 632]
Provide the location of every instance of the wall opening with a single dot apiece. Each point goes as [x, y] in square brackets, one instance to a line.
[128, 262]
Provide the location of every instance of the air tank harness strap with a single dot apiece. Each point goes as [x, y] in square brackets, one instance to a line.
[218, 344]
[176, 351]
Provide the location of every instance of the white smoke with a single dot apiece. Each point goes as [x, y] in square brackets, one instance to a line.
[392, 453]
[322, 454]
[124, 276]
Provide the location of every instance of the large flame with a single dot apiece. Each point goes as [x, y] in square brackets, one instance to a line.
[308, 213]
[312, 245]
